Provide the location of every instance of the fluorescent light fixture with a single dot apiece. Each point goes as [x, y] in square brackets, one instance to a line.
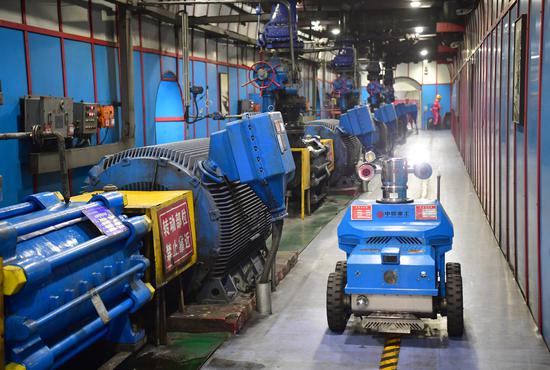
[419, 29]
[335, 31]
[415, 4]
[423, 52]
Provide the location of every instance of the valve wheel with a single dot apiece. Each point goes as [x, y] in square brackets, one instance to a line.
[262, 75]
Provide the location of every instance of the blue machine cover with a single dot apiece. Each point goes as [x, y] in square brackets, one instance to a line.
[358, 121]
[407, 241]
[401, 110]
[256, 151]
[386, 113]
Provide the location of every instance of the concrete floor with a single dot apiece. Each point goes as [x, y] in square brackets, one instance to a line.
[500, 331]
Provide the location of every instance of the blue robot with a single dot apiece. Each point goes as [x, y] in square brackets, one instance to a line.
[395, 272]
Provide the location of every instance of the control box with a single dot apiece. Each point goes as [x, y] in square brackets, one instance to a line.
[52, 114]
[106, 116]
[85, 118]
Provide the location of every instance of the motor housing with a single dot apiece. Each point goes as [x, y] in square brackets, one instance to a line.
[233, 218]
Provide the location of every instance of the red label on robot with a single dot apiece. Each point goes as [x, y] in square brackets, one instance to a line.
[426, 212]
[363, 212]
[175, 234]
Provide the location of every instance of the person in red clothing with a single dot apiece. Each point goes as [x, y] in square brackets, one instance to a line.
[436, 110]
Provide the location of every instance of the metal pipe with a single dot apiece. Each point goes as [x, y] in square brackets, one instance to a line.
[263, 298]
[38, 223]
[83, 249]
[286, 3]
[356, 76]
[276, 240]
[126, 77]
[35, 325]
[438, 187]
[17, 210]
[319, 50]
[324, 81]
[185, 60]
[290, 29]
[63, 168]
[16, 135]
[59, 348]
[314, 87]
[83, 345]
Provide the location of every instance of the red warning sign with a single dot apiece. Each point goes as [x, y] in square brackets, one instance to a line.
[361, 212]
[175, 233]
[426, 212]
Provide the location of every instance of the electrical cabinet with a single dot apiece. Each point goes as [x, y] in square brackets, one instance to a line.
[52, 114]
[85, 118]
[106, 116]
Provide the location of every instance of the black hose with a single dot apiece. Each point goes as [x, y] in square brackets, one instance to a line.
[276, 234]
[63, 168]
[15, 135]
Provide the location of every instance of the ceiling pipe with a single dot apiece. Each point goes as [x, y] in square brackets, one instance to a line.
[286, 3]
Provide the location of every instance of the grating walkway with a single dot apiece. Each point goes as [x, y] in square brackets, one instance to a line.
[500, 332]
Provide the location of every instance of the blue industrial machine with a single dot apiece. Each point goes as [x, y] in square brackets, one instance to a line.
[386, 114]
[279, 81]
[358, 121]
[238, 178]
[280, 28]
[406, 113]
[344, 87]
[388, 91]
[412, 115]
[72, 276]
[401, 112]
[395, 271]
[374, 88]
[347, 150]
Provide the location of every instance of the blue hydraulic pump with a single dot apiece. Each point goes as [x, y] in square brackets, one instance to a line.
[72, 276]
[395, 272]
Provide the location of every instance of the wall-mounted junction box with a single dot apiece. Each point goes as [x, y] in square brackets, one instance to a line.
[106, 116]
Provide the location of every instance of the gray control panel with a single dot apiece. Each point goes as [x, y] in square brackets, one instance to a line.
[85, 118]
[52, 114]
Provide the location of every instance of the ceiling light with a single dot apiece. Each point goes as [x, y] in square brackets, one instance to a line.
[423, 52]
[415, 4]
[335, 31]
[419, 29]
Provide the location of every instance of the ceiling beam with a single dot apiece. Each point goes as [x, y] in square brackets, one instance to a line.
[235, 18]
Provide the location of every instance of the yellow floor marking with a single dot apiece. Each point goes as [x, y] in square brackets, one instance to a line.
[390, 354]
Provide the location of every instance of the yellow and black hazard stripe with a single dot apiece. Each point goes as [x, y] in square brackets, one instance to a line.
[390, 356]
